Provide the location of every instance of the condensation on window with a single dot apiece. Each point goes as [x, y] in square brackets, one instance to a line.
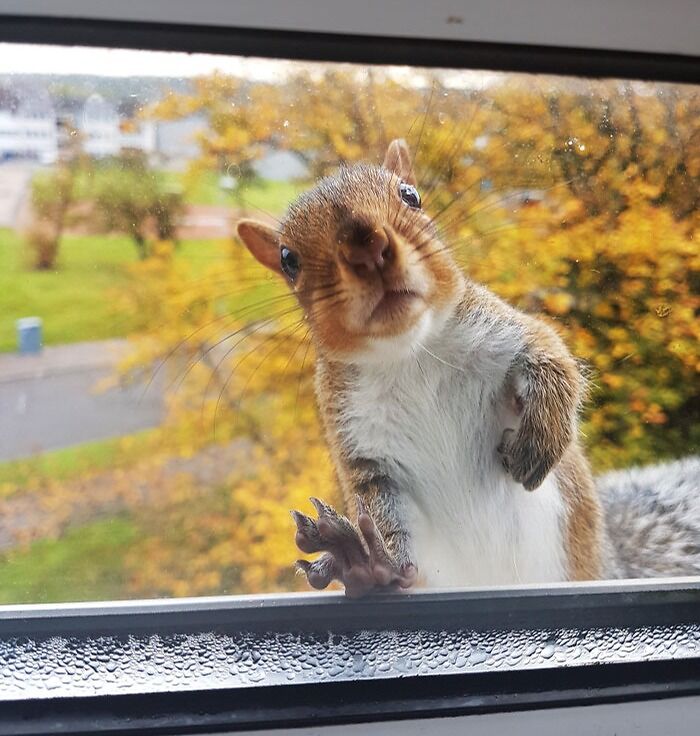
[158, 419]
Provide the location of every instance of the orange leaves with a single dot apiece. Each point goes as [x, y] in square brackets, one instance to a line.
[626, 294]
[558, 303]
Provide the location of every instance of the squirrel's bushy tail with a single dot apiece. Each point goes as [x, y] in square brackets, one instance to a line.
[652, 516]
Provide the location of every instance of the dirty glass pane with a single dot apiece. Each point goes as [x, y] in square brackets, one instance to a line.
[157, 411]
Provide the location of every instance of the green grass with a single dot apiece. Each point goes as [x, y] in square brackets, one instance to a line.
[272, 196]
[73, 300]
[72, 462]
[84, 564]
[76, 300]
[269, 196]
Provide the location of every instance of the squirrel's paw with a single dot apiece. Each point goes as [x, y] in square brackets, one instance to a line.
[526, 463]
[356, 556]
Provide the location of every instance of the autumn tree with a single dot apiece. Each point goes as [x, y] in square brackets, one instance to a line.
[591, 137]
[242, 119]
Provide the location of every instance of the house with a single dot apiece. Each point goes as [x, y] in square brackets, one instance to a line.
[176, 140]
[29, 130]
[105, 133]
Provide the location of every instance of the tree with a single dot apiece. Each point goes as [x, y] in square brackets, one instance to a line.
[52, 194]
[240, 119]
[132, 198]
[591, 138]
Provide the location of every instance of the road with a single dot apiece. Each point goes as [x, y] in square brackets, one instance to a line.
[49, 401]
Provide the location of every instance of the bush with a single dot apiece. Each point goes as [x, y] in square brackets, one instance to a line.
[51, 197]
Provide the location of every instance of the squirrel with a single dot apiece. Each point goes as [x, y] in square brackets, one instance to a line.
[451, 417]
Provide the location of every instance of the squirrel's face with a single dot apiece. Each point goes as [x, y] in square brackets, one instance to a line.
[363, 259]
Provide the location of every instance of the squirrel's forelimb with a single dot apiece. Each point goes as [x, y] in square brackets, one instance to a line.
[544, 388]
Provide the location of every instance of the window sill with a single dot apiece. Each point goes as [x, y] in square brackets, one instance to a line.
[246, 662]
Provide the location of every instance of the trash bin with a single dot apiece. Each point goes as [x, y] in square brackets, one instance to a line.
[29, 335]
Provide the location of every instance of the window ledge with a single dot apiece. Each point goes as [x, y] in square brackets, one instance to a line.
[293, 659]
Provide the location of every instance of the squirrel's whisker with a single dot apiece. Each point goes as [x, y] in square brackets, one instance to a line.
[439, 359]
[272, 338]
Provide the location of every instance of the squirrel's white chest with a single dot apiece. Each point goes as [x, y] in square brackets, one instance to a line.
[438, 429]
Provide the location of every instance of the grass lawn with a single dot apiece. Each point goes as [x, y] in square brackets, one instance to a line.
[72, 462]
[84, 564]
[270, 196]
[76, 301]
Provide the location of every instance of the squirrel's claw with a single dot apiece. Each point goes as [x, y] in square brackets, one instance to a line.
[357, 557]
[307, 537]
[320, 572]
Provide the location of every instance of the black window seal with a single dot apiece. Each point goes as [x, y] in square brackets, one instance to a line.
[361, 49]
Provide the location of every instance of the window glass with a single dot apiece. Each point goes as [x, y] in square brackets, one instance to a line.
[157, 411]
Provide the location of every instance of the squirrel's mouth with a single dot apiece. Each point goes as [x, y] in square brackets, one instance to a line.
[394, 303]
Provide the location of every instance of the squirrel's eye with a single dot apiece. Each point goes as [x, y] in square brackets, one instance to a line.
[409, 194]
[289, 263]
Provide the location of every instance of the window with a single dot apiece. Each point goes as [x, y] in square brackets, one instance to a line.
[159, 381]
[186, 367]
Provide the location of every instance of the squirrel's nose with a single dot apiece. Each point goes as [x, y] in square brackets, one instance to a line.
[367, 250]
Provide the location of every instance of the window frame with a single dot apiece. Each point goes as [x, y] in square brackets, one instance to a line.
[360, 49]
[669, 605]
[665, 612]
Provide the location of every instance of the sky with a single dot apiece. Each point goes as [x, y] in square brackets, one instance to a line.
[40, 59]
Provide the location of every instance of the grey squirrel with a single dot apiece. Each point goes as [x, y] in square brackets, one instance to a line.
[451, 417]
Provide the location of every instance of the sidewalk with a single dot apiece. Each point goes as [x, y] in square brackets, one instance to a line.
[60, 359]
[15, 177]
[48, 401]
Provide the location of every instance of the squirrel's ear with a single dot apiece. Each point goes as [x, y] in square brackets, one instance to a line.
[398, 160]
[262, 241]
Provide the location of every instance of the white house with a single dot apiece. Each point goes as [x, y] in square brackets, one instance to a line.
[106, 134]
[30, 131]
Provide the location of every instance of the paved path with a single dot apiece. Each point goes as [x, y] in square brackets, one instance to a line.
[50, 401]
[14, 180]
